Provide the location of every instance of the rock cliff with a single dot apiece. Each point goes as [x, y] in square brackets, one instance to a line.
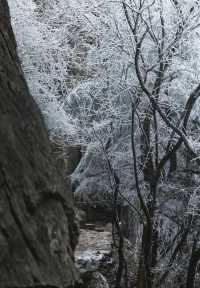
[37, 228]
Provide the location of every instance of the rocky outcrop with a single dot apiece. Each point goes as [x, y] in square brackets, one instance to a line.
[37, 228]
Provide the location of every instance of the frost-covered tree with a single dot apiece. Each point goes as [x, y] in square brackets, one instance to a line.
[122, 79]
[162, 35]
[52, 44]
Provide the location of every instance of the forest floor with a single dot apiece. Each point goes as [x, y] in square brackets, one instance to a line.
[95, 252]
[94, 245]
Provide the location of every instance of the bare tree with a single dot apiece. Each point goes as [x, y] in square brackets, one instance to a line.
[139, 15]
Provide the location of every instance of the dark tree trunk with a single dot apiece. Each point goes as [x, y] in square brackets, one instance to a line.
[194, 259]
[144, 277]
[149, 243]
[37, 230]
[173, 163]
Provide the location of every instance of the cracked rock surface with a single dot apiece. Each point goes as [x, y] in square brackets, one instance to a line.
[37, 228]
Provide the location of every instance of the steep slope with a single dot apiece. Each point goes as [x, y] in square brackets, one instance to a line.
[37, 230]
